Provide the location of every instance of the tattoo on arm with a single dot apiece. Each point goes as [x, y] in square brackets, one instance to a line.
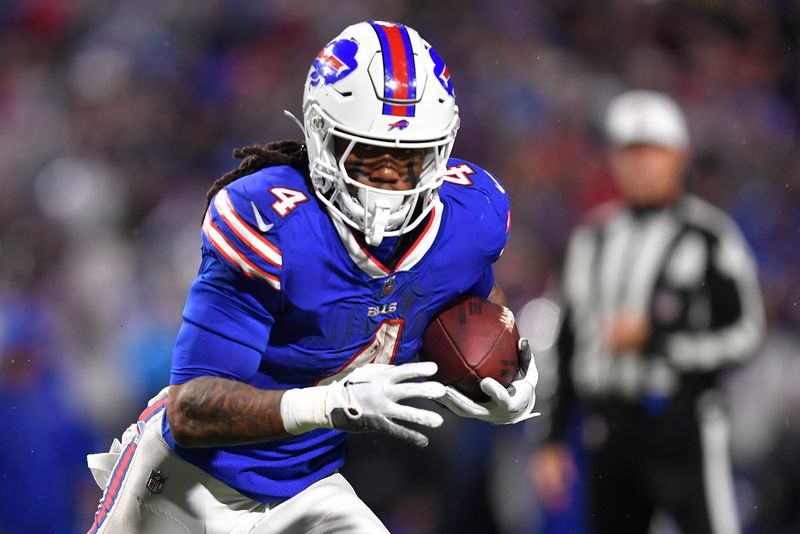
[211, 411]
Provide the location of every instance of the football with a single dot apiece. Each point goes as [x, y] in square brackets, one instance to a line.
[472, 339]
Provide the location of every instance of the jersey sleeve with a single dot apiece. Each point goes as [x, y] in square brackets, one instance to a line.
[484, 285]
[233, 302]
[227, 321]
[242, 235]
[483, 196]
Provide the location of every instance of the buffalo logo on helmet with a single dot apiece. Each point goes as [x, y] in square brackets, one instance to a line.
[441, 72]
[334, 62]
[399, 125]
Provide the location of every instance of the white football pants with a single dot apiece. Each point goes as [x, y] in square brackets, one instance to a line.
[149, 489]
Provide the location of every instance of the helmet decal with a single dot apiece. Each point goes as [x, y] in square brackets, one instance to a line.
[402, 124]
[441, 72]
[334, 62]
[400, 77]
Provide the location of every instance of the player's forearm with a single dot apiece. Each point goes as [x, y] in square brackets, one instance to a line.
[211, 411]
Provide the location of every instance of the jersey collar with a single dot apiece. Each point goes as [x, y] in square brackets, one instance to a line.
[371, 265]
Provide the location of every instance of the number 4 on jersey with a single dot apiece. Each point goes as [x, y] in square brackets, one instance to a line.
[459, 174]
[288, 199]
[382, 348]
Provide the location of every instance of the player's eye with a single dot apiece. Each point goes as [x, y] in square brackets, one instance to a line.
[369, 152]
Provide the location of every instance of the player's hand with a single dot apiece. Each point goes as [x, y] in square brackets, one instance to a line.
[368, 400]
[505, 405]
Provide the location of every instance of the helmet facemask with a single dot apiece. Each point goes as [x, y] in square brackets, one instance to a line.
[375, 212]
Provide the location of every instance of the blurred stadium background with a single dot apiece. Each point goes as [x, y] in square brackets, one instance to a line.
[115, 116]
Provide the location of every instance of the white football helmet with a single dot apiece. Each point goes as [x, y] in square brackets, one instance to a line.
[381, 84]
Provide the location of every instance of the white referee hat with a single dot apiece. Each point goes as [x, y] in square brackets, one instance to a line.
[646, 117]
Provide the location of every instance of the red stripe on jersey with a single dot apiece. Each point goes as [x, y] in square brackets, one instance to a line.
[372, 258]
[251, 233]
[421, 236]
[238, 259]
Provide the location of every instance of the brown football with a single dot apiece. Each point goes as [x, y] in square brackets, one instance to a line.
[472, 339]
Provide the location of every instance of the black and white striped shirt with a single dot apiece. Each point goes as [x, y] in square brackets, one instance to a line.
[687, 269]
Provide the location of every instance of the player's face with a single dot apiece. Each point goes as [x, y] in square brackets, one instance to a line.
[649, 175]
[396, 169]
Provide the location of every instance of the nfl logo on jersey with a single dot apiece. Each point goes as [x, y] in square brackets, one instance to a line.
[156, 482]
[388, 287]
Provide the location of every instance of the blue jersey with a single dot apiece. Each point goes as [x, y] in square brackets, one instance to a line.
[288, 297]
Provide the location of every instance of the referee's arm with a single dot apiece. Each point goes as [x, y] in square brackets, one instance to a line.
[737, 316]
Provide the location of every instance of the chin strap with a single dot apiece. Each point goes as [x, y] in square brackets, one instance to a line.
[374, 233]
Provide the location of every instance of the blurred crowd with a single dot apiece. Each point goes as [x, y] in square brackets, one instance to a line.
[116, 116]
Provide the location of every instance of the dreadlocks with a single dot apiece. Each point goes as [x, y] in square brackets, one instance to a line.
[257, 157]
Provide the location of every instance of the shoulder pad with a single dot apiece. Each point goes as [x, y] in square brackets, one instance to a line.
[467, 174]
[276, 191]
[481, 193]
[242, 224]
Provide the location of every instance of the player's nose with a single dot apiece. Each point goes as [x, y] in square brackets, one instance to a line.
[385, 176]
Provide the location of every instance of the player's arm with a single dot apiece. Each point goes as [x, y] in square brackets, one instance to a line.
[226, 321]
[211, 404]
[211, 411]
[229, 313]
[515, 403]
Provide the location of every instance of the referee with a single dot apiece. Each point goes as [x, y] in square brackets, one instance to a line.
[660, 295]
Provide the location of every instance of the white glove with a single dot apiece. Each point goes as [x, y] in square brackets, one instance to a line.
[505, 406]
[366, 400]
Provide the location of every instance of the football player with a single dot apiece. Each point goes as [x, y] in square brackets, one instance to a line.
[322, 264]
